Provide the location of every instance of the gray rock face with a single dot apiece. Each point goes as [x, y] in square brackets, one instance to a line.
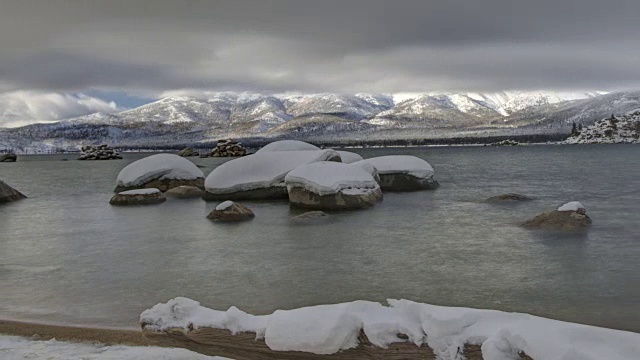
[184, 192]
[9, 194]
[406, 182]
[560, 220]
[302, 198]
[8, 157]
[133, 197]
[231, 213]
[508, 197]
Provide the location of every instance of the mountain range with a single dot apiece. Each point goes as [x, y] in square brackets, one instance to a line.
[184, 120]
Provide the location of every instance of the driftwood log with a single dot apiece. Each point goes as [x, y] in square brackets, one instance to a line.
[244, 346]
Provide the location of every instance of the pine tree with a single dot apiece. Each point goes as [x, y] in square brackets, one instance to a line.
[574, 129]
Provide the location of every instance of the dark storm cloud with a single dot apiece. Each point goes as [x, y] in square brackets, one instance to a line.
[366, 45]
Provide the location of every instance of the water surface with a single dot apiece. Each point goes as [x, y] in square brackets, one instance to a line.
[67, 256]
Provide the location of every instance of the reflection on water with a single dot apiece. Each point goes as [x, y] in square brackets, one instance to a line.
[67, 256]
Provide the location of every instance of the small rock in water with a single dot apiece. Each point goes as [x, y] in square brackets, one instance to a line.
[138, 197]
[9, 194]
[229, 211]
[11, 157]
[508, 197]
[310, 216]
[184, 192]
[571, 216]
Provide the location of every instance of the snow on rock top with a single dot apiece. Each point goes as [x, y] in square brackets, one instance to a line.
[161, 167]
[327, 329]
[571, 206]
[224, 205]
[261, 170]
[140, 192]
[328, 177]
[393, 164]
[287, 145]
[348, 157]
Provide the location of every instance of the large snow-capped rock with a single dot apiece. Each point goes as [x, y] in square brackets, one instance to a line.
[332, 186]
[287, 145]
[613, 130]
[161, 171]
[259, 176]
[402, 172]
[349, 157]
[9, 194]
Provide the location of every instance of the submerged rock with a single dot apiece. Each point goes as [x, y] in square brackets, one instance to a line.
[187, 152]
[138, 197]
[509, 197]
[11, 157]
[184, 192]
[9, 194]
[571, 216]
[230, 211]
[161, 171]
[310, 216]
[402, 172]
[332, 186]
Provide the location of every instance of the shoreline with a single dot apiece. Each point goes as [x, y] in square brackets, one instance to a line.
[72, 333]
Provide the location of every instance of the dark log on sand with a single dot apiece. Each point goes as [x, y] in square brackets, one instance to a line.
[244, 346]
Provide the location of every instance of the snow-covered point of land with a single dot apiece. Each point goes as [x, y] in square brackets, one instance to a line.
[287, 145]
[349, 157]
[328, 177]
[260, 170]
[406, 164]
[140, 192]
[327, 329]
[612, 130]
[224, 205]
[19, 348]
[571, 206]
[160, 166]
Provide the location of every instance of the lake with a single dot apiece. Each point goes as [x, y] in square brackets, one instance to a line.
[67, 256]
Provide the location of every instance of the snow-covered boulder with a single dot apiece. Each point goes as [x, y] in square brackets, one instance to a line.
[229, 211]
[402, 172]
[161, 171]
[332, 186]
[571, 216]
[184, 192]
[508, 198]
[259, 176]
[138, 197]
[287, 145]
[9, 194]
[349, 157]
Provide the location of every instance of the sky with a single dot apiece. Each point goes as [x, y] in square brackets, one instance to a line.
[132, 52]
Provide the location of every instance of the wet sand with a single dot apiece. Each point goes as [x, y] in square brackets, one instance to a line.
[74, 334]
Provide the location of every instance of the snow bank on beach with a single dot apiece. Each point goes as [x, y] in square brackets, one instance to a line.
[160, 167]
[327, 329]
[15, 348]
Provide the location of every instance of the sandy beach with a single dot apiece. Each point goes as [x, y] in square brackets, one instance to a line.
[73, 333]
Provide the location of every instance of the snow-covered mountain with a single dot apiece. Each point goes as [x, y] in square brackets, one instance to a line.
[187, 120]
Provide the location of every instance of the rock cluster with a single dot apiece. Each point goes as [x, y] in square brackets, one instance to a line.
[98, 152]
[228, 148]
[187, 152]
[507, 142]
[9, 194]
[10, 157]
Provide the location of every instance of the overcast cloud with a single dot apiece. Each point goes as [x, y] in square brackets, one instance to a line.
[151, 47]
